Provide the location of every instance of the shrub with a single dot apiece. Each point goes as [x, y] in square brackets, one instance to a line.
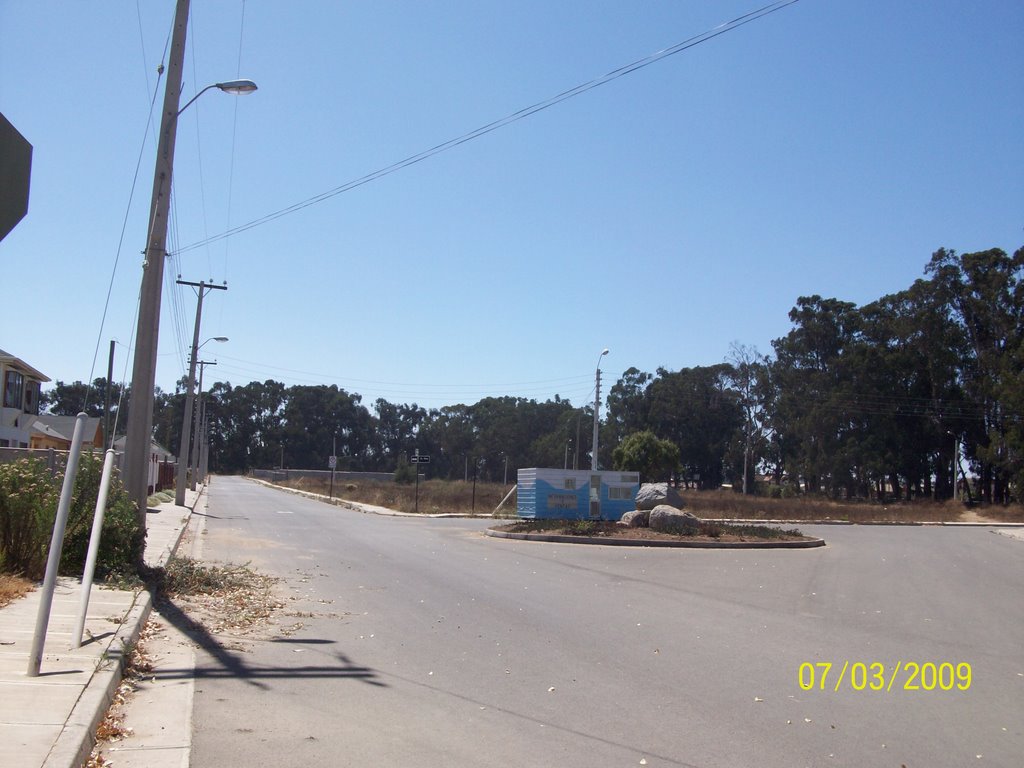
[405, 473]
[29, 495]
[644, 452]
[28, 503]
[582, 527]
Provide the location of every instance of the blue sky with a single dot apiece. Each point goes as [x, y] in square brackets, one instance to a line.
[828, 148]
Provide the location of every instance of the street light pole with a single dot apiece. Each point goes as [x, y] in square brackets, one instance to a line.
[197, 424]
[107, 437]
[139, 430]
[597, 408]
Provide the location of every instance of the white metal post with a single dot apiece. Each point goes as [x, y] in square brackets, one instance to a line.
[35, 656]
[94, 546]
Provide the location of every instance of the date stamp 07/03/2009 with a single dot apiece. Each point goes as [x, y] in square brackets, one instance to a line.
[876, 676]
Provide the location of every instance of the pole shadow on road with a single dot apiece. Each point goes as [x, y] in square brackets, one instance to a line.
[230, 665]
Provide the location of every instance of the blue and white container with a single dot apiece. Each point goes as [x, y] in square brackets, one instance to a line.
[575, 494]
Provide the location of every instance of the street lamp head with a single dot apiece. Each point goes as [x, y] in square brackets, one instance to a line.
[605, 352]
[237, 86]
[220, 339]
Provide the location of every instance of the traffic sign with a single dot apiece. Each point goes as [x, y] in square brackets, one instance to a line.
[421, 458]
[15, 170]
[332, 462]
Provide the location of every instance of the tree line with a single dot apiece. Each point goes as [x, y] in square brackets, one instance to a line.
[904, 397]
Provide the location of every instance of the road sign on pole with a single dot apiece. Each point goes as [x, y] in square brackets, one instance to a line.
[419, 458]
[15, 170]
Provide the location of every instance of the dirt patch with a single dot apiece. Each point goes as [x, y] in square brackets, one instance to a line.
[709, 532]
[974, 516]
[12, 587]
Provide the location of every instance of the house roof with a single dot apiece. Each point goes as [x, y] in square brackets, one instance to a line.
[38, 426]
[64, 426]
[154, 447]
[20, 365]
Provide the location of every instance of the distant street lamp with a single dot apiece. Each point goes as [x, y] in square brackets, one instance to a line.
[140, 420]
[597, 409]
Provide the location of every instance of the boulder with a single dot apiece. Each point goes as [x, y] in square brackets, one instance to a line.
[651, 495]
[670, 520]
[637, 518]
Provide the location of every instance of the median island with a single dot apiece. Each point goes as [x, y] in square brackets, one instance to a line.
[661, 527]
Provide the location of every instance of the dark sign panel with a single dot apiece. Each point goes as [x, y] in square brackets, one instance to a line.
[15, 170]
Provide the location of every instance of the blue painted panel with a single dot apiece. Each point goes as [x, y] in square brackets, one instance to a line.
[542, 494]
[554, 503]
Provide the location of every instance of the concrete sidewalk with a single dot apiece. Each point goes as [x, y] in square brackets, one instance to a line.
[50, 721]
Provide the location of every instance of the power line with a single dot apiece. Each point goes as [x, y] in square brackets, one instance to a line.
[565, 379]
[124, 220]
[447, 393]
[540, 106]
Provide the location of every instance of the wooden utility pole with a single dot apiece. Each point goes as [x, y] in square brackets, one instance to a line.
[186, 423]
[140, 417]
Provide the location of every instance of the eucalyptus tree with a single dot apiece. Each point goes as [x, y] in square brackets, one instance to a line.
[627, 406]
[697, 410]
[747, 367]
[78, 397]
[813, 389]
[396, 430]
[985, 295]
[319, 420]
[245, 425]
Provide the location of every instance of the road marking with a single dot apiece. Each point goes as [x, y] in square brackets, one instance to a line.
[284, 511]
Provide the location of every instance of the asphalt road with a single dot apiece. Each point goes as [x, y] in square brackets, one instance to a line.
[425, 643]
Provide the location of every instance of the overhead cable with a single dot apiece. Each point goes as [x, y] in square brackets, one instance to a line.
[540, 106]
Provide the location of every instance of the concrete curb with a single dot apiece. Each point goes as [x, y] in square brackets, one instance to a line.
[78, 736]
[619, 542]
[903, 523]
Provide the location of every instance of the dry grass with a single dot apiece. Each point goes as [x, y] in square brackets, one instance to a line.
[223, 598]
[12, 587]
[731, 505]
[435, 496]
[442, 496]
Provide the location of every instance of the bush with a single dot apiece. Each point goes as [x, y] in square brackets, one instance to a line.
[644, 452]
[29, 495]
[28, 503]
[405, 473]
[583, 527]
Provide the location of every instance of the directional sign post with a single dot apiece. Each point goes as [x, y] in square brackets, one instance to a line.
[418, 458]
[332, 463]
